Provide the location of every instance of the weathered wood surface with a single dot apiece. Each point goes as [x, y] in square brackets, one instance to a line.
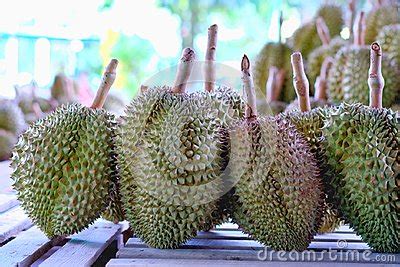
[7, 201]
[84, 248]
[12, 222]
[223, 263]
[25, 249]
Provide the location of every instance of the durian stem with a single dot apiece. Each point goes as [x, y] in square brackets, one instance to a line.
[352, 8]
[323, 31]
[280, 27]
[37, 110]
[359, 29]
[376, 81]
[143, 88]
[271, 84]
[300, 82]
[209, 68]
[248, 89]
[184, 69]
[105, 85]
[322, 79]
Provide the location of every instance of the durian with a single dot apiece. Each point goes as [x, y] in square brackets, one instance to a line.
[277, 55]
[309, 122]
[278, 188]
[7, 142]
[305, 39]
[329, 48]
[389, 39]
[320, 97]
[11, 117]
[270, 105]
[379, 17]
[63, 165]
[170, 156]
[347, 77]
[62, 89]
[363, 145]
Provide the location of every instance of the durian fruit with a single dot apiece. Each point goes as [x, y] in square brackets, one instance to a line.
[270, 105]
[380, 16]
[389, 39]
[363, 145]
[7, 142]
[62, 89]
[273, 54]
[229, 106]
[329, 48]
[309, 122]
[11, 117]
[278, 189]
[63, 164]
[305, 39]
[171, 157]
[320, 97]
[347, 77]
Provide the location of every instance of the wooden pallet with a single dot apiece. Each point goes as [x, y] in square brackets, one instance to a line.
[231, 247]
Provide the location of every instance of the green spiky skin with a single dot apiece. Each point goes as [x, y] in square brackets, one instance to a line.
[114, 211]
[230, 108]
[278, 55]
[171, 159]
[278, 189]
[272, 108]
[7, 142]
[314, 103]
[306, 39]
[378, 18]
[348, 77]
[310, 125]
[317, 57]
[11, 117]
[62, 167]
[389, 39]
[363, 146]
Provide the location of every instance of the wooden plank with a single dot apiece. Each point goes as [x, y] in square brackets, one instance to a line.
[84, 248]
[12, 222]
[7, 202]
[45, 256]
[256, 255]
[26, 248]
[223, 263]
[248, 245]
[238, 235]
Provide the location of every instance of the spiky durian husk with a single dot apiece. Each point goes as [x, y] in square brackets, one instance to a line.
[310, 125]
[306, 39]
[230, 108]
[317, 57]
[389, 39]
[348, 77]
[272, 108]
[11, 117]
[171, 148]
[378, 18]
[62, 168]
[314, 103]
[7, 142]
[363, 146]
[278, 55]
[278, 188]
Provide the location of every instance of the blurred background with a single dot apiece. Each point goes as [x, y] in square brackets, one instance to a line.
[43, 38]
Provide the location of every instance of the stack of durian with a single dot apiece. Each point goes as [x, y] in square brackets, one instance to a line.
[177, 163]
